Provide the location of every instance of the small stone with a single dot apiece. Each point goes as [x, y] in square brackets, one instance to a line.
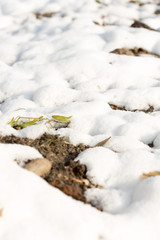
[86, 182]
[40, 166]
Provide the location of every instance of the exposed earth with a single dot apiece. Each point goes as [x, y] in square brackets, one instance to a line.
[65, 173]
[133, 52]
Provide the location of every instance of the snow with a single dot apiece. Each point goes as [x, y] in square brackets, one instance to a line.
[63, 66]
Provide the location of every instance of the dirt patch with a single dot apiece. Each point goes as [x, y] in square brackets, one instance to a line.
[139, 3]
[132, 52]
[157, 12]
[149, 110]
[66, 174]
[114, 107]
[138, 24]
[43, 15]
[151, 145]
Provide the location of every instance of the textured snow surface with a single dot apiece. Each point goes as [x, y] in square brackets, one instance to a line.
[63, 65]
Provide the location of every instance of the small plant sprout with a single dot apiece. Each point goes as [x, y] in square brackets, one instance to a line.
[22, 122]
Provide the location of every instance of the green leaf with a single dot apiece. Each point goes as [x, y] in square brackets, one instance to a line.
[18, 123]
[23, 122]
[12, 122]
[61, 119]
[27, 124]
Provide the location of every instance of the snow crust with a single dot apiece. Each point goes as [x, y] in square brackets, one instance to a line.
[63, 65]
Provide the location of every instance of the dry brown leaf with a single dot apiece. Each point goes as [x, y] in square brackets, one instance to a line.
[101, 144]
[1, 212]
[150, 174]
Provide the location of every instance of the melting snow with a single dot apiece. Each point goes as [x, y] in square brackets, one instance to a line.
[63, 65]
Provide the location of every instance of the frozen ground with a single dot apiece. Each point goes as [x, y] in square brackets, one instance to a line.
[63, 65]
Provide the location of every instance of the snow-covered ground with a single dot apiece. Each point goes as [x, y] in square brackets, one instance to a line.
[62, 65]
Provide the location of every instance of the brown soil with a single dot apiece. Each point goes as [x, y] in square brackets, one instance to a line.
[157, 12]
[149, 110]
[43, 15]
[114, 107]
[132, 52]
[138, 24]
[151, 145]
[66, 174]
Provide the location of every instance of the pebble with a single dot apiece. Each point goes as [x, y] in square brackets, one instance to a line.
[40, 166]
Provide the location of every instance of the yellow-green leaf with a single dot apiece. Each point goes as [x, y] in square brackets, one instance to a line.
[12, 122]
[26, 124]
[63, 119]
[23, 122]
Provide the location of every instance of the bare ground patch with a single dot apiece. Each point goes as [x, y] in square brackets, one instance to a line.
[138, 24]
[157, 12]
[64, 173]
[149, 110]
[133, 52]
[39, 15]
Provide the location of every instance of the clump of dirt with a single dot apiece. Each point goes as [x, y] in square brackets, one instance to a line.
[132, 52]
[149, 110]
[43, 15]
[151, 145]
[138, 24]
[157, 12]
[66, 174]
